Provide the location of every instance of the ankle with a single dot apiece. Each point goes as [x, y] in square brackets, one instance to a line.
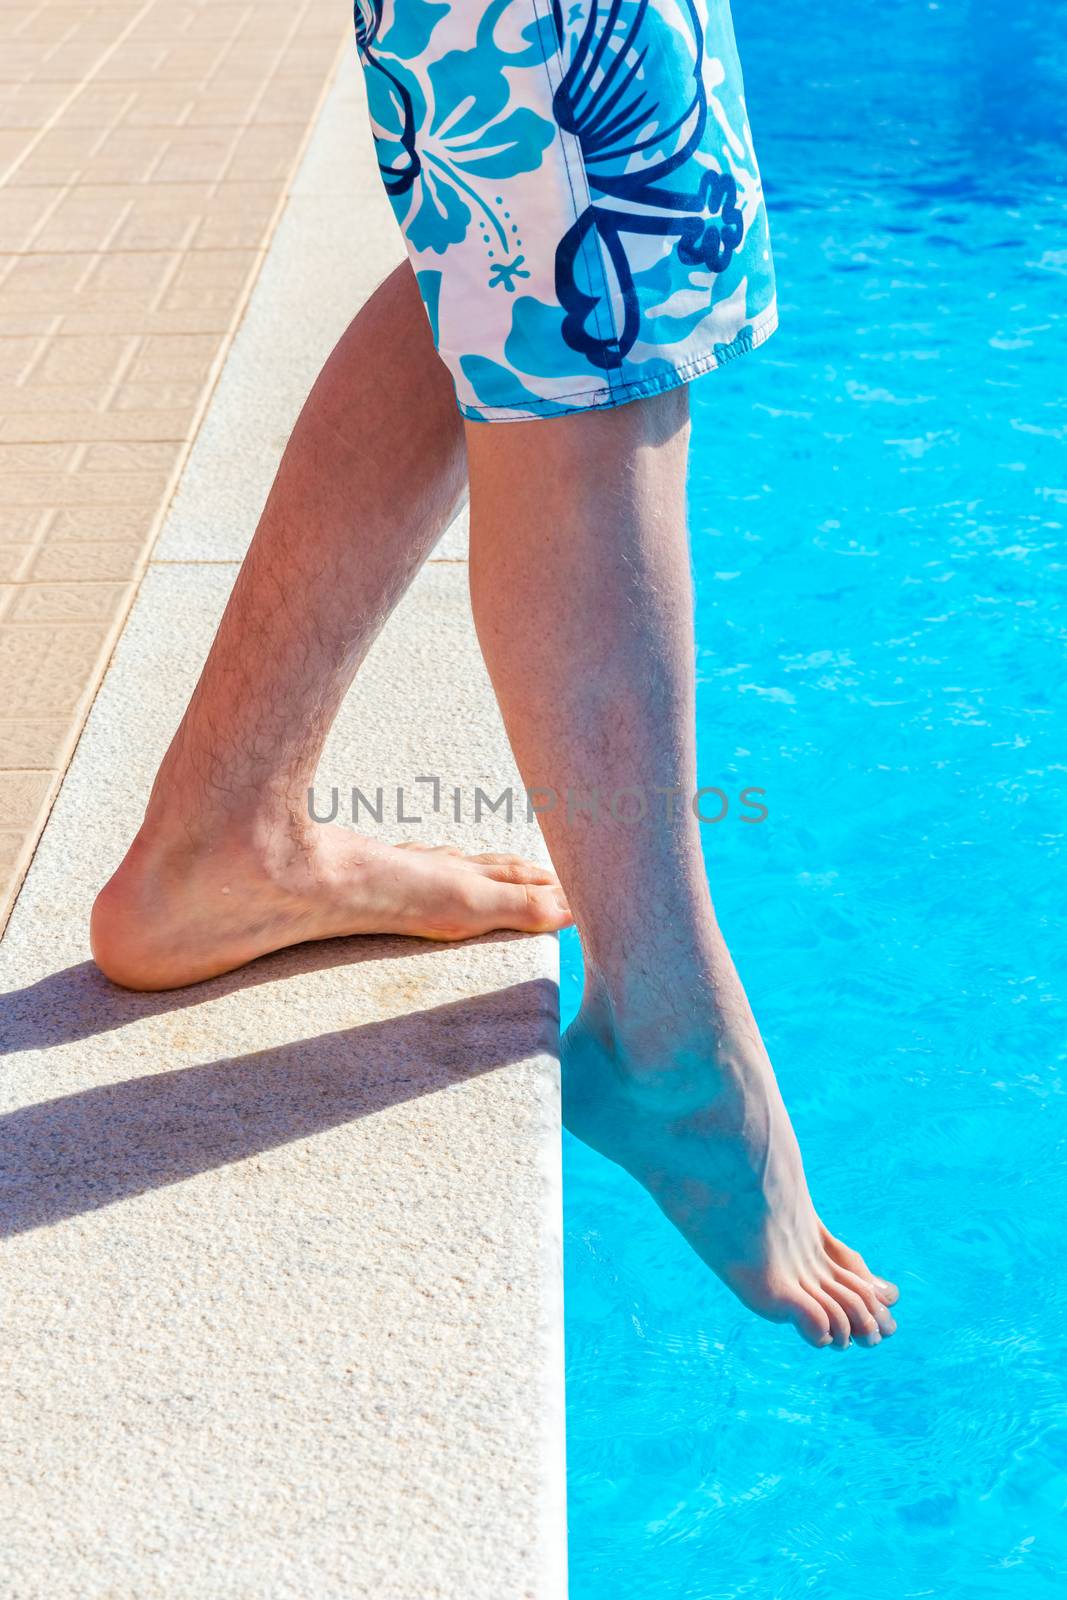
[196, 810]
[266, 837]
[643, 1020]
[697, 1022]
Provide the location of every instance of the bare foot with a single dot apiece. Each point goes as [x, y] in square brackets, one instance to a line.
[695, 1114]
[174, 914]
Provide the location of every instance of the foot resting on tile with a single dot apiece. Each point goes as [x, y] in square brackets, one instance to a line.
[174, 914]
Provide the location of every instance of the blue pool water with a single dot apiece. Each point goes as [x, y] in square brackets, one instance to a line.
[877, 528]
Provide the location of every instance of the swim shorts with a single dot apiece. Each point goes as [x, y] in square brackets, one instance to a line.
[577, 189]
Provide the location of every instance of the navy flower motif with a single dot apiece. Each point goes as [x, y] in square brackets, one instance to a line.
[637, 146]
[578, 192]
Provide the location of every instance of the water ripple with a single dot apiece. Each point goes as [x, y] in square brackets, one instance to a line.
[877, 527]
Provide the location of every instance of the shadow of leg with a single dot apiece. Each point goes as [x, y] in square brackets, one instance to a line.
[77, 1153]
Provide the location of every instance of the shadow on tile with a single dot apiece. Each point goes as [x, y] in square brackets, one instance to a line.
[75, 1154]
[79, 1002]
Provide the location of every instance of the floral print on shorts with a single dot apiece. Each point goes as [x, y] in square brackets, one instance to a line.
[577, 189]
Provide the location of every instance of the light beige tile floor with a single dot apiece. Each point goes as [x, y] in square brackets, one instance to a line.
[145, 150]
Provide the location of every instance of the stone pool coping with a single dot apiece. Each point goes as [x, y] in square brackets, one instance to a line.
[283, 1309]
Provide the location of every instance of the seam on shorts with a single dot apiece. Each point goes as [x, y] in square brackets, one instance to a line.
[584, 177]
[637, 389]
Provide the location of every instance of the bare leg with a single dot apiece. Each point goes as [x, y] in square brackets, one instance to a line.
[227, 864]
[581, 591]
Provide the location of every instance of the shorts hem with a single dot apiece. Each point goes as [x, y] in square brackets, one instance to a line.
[605, 398]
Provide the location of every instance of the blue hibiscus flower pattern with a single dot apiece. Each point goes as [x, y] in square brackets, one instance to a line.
[577, 188]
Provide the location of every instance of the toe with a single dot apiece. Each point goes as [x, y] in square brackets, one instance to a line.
[862, 1322]
[549, 908]
[428, 849]
[503, 858]
[865, 1288]
[512, 871]
[836, 1315]
[842, 1255]
[528, 907]
[809, 1318]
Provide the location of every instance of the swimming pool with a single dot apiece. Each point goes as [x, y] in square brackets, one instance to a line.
[877, 529]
